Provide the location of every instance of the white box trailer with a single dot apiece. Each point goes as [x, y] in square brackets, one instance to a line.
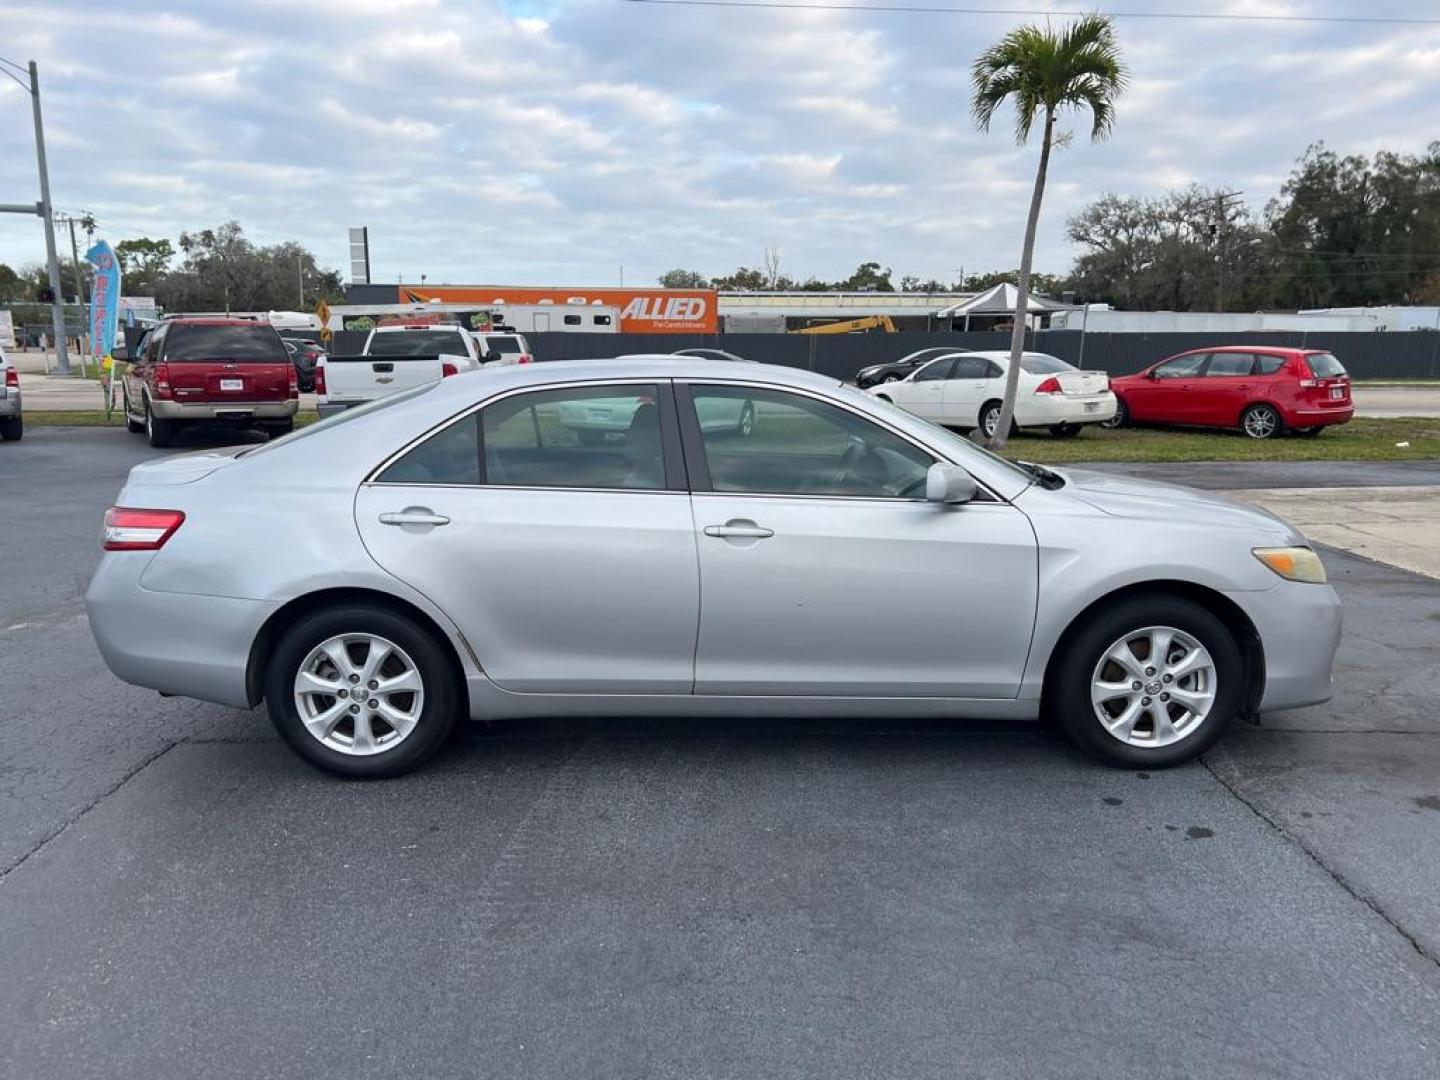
[522, 318]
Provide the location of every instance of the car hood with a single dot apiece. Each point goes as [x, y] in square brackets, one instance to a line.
[1136, 497]
[185, 468]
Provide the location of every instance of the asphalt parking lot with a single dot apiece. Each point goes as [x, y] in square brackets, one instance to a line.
[179, 896]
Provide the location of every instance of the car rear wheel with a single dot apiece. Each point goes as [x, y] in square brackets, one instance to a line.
[1261, 422]
[1148, 683]
[361, 692]
[12, 428]
[161, 433]
[1065, 431]
[1121, 417]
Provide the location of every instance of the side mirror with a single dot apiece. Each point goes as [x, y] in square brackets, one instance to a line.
[119, 352]
[949, 484]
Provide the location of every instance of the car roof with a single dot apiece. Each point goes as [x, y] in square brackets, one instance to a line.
[214, 320]
[633, 366]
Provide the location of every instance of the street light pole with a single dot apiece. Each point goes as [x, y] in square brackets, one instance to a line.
[57, 311]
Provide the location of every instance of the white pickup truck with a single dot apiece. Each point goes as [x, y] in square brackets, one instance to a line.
[394, 358]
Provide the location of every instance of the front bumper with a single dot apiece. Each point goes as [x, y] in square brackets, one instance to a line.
[177, 643]
[1299, 628]
[229, 410]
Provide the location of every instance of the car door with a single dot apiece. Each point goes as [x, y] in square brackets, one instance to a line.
[141, 370]
[924, 392]
[823, 570]
[569, 564]
[1223, 390]
[1166, 394]
[965, 391]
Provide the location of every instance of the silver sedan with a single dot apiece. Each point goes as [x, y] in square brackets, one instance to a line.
[458, 550]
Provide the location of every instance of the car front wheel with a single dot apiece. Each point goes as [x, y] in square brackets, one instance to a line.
[990, 420]
[1147, 683]
[361, 692]
[1261, 422]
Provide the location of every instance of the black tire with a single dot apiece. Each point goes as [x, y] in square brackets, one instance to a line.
[1261, 422]
[1121, 417]
[161, 433]
[892, 377]
[990, 417]
[1065, 431]
[1067, 691]
[278, 429]
[745, 426]
[12, 428]
[1309, 432]
[438, 711]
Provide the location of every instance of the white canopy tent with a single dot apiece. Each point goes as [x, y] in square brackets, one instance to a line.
[999, 300]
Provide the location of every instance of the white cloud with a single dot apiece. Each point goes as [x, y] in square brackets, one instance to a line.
[548, 142]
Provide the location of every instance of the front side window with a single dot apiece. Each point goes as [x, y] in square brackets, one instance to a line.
[796, 445]
[1181, 367]
[1222, 364]
[585, 437]
[936, 370]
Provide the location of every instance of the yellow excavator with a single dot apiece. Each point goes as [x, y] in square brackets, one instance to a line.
[852, 326]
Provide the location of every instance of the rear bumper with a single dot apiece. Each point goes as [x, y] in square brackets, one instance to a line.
[1299, 628]
[177, 643]
[228, 410]
[1044, 409]
[1318, 417]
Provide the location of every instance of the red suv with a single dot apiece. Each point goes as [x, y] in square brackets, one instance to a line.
[1261, 390]
[216, 372]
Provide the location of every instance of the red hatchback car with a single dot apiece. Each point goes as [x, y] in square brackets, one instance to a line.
[1261, 390]
[211, 371]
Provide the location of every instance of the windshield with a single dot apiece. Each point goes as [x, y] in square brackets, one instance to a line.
[255, 344]
[1325, 366]
[417, 343]
[957, 446]
[1042, 364]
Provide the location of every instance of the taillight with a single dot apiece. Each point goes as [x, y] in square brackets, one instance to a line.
[162, 380]
[139, 530]
[524, 358]
[12, 378]
[294, 382]
[447, 369]
[1309, 384]
[320, 378]
[1049, 386]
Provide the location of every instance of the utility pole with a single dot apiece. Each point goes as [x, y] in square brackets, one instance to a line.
[1222, 204]
[42, 209]
[300, 279]
[71, 221]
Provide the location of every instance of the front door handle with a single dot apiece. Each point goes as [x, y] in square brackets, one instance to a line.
[414, 515]
[746, 530]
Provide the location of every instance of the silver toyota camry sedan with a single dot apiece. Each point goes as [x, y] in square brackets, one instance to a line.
[493, 545]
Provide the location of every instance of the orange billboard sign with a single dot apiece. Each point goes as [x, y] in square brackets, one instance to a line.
[642, 311]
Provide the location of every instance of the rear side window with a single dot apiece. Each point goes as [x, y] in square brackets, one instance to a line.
[1268, 364]
[1324, 365]
[972, 367]
[257, 343]
[451, 456]
[1230, 364]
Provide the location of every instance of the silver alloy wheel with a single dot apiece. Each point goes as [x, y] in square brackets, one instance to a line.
[359, 694]
[1153, 687]
[990, 421]
[1260, 422]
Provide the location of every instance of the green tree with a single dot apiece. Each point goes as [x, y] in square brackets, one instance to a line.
[684, 279]
[12, 285]
[868, 277]
[1043, 71]
[143, 262]
[1045, 284]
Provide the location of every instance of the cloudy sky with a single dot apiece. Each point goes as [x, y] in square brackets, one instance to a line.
[553, 141]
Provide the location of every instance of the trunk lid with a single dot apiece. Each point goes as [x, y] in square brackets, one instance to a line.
[183, 468]
[1083, 383]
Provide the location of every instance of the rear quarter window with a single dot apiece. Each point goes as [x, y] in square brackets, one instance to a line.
[1324, 365]
[257, 343]
[1268, 364]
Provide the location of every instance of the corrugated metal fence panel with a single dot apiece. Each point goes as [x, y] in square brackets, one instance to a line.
[1365, 355]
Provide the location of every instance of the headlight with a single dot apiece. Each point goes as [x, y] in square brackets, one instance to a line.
[1293, 563]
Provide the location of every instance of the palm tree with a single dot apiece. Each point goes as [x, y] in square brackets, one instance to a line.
[1044, 70]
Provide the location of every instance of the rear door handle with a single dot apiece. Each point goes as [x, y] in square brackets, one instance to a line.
[753, 532]
[414, 517]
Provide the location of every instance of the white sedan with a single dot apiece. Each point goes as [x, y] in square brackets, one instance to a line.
[964, 390]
